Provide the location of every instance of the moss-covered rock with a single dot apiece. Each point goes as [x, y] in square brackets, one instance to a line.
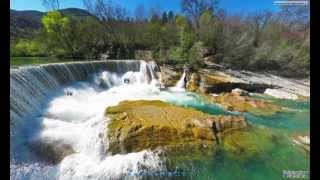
[236, 102]
[244, 145]
[138, 125]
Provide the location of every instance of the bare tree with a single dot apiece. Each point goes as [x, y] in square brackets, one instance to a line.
[154, 11]
[258, 22]
[107, 13]
[51, 4]
[140, 13]
[113, 18]
[194, 8]
[295, 16]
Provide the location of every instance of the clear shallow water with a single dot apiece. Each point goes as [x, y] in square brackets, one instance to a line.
[78, 121]
[284, 156]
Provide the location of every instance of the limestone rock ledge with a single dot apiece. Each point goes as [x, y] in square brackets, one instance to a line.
[142, 124]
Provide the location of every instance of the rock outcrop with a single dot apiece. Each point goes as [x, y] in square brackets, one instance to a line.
[281, 94]
[169, 76]
[138, 125]
[194, 83]
[287, 85]
[218, 80]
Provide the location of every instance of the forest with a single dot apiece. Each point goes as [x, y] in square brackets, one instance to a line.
[273, 41]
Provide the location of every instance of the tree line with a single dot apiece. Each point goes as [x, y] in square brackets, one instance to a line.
[259, 41]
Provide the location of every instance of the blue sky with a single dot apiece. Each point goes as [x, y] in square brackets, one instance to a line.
[231, 6]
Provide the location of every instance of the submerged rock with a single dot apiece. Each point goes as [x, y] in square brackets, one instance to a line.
[236, 102]
[139, 125]
[249, 144]
[52, 152]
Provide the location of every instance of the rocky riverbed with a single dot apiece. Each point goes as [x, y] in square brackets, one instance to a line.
[121, 122]
[141, 125]
[218, 80]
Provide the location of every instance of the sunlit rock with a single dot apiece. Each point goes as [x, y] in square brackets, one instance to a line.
[277, 93]
[139, 125]
[194, 82]
[235, 102]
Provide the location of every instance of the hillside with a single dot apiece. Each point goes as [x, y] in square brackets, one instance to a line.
[24, 24]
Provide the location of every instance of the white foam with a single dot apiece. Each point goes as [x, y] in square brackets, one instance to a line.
[79, 121]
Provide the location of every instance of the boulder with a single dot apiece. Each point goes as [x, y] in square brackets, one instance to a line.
[139, 125]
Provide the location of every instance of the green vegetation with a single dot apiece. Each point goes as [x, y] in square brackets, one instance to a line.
[264, 41]
[18, 61]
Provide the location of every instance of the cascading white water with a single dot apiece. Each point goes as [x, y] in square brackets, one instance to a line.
[181, 84]
[76, 122]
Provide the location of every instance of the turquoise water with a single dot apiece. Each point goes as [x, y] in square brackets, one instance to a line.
[278, 153]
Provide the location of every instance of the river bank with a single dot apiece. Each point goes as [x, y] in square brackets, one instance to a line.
[217, 80]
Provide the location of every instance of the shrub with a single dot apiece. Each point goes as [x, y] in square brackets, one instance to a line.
[27, 48]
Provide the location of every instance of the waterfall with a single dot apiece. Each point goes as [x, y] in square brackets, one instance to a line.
[41, 112]
[32, 86]
[181, 83]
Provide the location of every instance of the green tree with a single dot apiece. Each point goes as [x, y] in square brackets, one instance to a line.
[207, 28]
[186, 40]
[62, 35]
